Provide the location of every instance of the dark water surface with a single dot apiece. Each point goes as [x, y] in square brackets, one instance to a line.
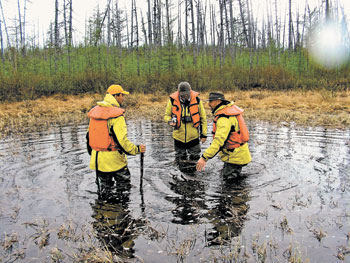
[293, 205]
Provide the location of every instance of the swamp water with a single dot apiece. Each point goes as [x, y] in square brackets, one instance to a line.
[293, 205]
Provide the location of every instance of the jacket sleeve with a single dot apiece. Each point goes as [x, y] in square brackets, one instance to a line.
[204, 125]
[167, 115]
[223, 128]
[120, 131]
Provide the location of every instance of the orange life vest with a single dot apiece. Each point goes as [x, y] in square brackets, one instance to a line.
[100, 138]
[235, 139]
[193, 108]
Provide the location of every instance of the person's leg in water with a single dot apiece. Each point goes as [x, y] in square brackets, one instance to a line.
[194, 155]
[180, 153]
[109, 188]
[106, 183]
[122, 186]
[231, 172]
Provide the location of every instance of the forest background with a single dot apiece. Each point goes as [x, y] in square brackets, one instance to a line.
[221, 46]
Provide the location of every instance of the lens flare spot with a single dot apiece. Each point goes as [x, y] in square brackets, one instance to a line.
[327, 45]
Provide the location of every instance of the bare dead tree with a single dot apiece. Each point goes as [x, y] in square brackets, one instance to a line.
[1, 44]
[169, 33]
[157, 23]
[144, 31]
[159, 15]
[56, 35]
[70, 30]
[100, 23]
[179, 28]
[56, 28]
[127, 29]
[193, 32]
[250, 25]
[20, 23]
[118, 26]
[186, 23]
[109, 29]
[132, 24]
[243, 20]
[290, 27]
[65, 22]
[5, 26]
[200, 25]
[277, 25]
[149, 21]
[135, 29]
[227, 22]
[212, 25]
[232, 30]
[221, 36]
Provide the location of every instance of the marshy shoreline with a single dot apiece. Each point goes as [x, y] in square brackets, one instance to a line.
[305, 108]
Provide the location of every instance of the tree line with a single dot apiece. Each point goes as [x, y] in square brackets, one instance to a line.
[170, 40]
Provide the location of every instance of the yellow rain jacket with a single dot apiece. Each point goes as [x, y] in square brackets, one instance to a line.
[111, 161]
[240, 155]
[187, 132]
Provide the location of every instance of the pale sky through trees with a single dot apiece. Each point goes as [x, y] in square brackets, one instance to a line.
[41, 12]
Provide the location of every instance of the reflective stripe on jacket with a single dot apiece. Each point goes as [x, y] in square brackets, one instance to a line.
[224, 126]
[100, 137]
[237, 137]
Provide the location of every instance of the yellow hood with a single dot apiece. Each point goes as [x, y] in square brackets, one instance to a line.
[108, 101]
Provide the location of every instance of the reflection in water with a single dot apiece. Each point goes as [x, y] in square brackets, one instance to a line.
[230, 212]
[300, 174]
[114, 224]
[190, 201]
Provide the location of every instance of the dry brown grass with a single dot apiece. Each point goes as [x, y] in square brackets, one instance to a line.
[310, 108]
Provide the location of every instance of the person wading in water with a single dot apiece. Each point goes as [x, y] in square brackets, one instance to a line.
[107, 137]
[186, 114]
[230, 137]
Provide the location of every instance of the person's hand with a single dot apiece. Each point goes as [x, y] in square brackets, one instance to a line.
[142, 148]
[203, 140]
[171, 123]
[201, 164]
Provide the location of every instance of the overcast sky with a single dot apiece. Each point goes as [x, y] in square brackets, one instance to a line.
[41, 12]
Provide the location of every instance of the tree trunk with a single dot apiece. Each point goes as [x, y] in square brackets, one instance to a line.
[245, 33]
[290, 28]
[2, 44]
[192, 23]
[186, 23]
[149, 21]
[56, 35]
[5, 27]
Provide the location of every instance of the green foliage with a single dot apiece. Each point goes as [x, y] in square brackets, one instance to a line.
[158, 70]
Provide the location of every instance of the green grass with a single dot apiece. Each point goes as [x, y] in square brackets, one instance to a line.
[41, 72]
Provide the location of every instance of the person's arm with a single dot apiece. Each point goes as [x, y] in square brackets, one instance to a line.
[121, 134]
[167, 115]
[223, 128]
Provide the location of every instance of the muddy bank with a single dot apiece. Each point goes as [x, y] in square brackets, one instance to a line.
[316, 108]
